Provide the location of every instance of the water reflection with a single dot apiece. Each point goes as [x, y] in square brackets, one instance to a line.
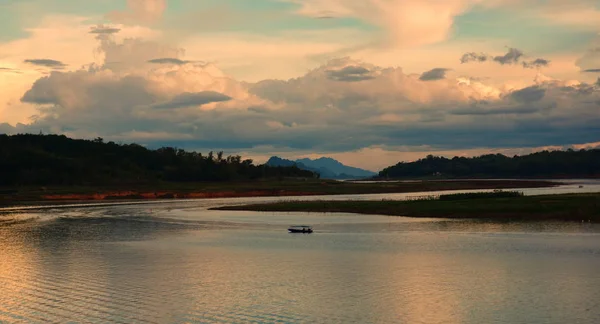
[18, 213]
[182, 263]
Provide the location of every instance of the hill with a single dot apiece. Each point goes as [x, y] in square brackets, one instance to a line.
[336, 167]
[276, 161]
[59, 160]
[327, 168]
[546, 164]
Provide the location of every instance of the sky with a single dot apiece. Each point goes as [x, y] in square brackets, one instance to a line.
[369, 82]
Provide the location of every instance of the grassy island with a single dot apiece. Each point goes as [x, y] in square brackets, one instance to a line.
[496, 206]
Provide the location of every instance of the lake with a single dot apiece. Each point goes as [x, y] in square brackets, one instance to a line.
[178, 262]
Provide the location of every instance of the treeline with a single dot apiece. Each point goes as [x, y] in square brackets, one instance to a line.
[546, 164]
[58, 160]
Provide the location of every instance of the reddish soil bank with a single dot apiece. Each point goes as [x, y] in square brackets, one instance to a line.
[171, 195]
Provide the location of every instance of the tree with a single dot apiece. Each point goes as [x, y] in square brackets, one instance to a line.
[55, 159]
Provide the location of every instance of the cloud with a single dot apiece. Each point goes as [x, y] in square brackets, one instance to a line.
[287, 53]
[192, 99]
[9, 70]
[135, 95]
[6, 128]
[76, 91]
[512, 57]
[529, 94]
[105, 30]
[500, 111]
[592, 71]
[590, 60]
[135, 53]
[168, 60]
[474, 57]
[580, 13]
[537, 63]
[434, 74]
[46, 63]
[150, 97]
[350, 74]
[325, 16]
[139, 11]
[405, 23]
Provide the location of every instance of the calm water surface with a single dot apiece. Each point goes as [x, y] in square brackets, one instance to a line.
[180, 263]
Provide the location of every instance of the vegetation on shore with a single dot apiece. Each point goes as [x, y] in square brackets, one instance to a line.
[546, 164]
[266, 187]
[58, 168]
[47, 160]
[502, 206]
[481, 195]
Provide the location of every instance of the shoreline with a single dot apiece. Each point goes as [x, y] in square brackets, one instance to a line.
[557, 207]
[168, 191]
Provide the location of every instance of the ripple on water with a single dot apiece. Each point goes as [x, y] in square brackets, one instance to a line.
[182, 263]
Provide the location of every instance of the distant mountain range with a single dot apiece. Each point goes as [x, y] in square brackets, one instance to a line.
[328, 168]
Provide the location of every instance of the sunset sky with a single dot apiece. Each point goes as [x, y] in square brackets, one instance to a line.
[368, 82]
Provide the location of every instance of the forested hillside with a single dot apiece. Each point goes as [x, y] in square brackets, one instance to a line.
[58, 160]
[546, 164]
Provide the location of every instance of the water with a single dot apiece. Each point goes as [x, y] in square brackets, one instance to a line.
[569, 186]
[178, 262]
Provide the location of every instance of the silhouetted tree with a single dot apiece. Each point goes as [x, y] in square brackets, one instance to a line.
[55, 159]
[569, 163]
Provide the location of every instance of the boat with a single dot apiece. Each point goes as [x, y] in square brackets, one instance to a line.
[300, 229]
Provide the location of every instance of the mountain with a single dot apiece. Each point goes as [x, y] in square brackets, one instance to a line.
[328, 168]
[337, 167]
[276, 161]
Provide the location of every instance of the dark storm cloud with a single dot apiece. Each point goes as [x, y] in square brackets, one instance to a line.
[529, 94]
[192, 99]
[434, 74]
[474, 57]
[350, 74]
[537, 63]
[498, 111]
[168, 60]
[47, 63]
[104, 30]
[512, 57]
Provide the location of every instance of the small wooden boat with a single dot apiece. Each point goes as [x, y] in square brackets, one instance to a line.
[300, 229]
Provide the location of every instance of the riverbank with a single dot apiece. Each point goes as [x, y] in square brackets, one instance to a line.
[567, 207]
[26, 195]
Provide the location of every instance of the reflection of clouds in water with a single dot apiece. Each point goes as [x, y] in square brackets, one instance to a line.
[178, 262]
[16, 218]
[16, 262]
